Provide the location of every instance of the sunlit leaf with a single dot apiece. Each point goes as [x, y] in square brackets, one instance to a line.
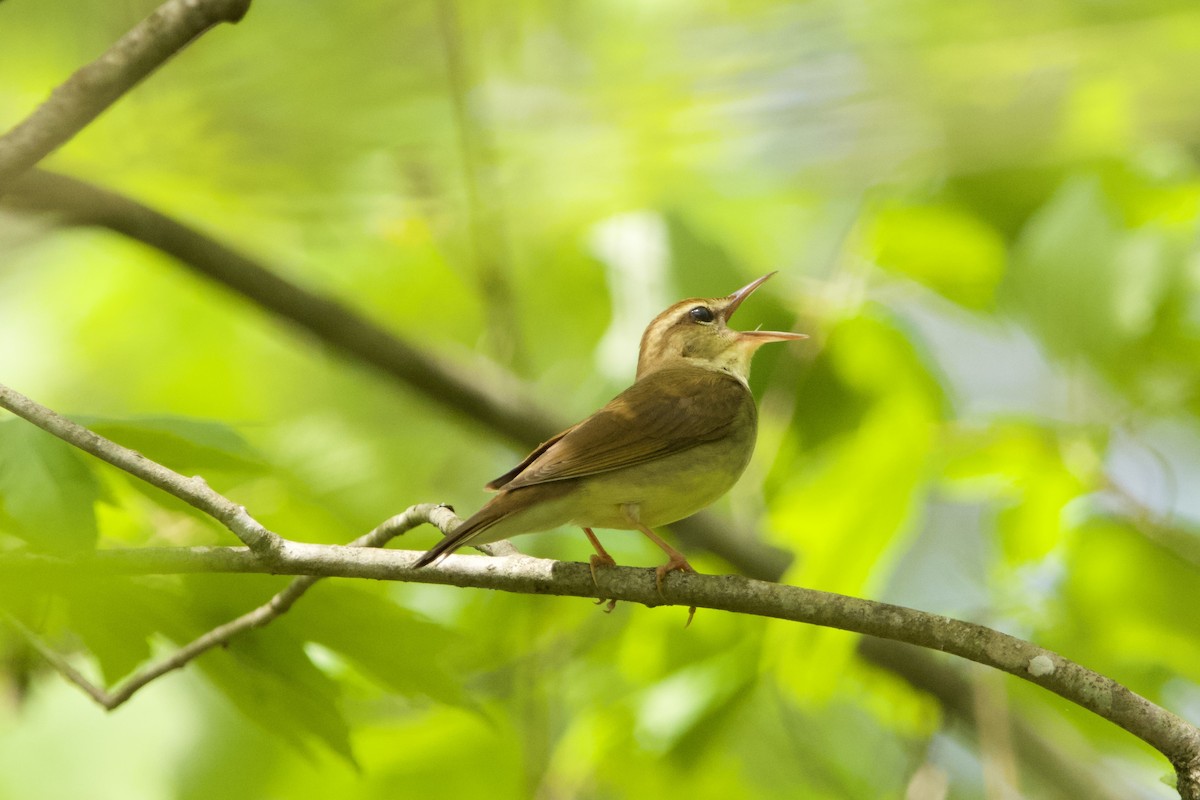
[1127, 602]
[47, 489]
[951, 251]
[1028, 473]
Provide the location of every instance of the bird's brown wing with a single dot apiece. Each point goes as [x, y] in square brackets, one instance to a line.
[503, 480]
[663, 413]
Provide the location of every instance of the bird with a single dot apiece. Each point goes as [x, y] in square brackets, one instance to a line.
[672, 443]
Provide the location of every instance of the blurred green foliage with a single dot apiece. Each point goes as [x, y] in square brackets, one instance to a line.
[985, 213]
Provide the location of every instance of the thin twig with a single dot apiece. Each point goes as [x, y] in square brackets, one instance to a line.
[193, 491]
[95, 87]
[441, 516]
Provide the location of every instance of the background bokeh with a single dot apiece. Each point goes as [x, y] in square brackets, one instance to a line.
[984, 213]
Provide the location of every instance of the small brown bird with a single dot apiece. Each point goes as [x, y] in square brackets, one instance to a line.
[663, 449]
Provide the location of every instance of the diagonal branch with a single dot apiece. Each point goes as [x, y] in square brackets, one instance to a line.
[94, 87]
[490, 398]
[193, 491]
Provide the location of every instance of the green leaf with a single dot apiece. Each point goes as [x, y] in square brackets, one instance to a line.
[266, 673]
[1129, 605]
[676, 709]
[952, 252]
[117, 617]
[384, 641]
[1023, 468]
[185, 445]
[48, 491]
[1087, 285]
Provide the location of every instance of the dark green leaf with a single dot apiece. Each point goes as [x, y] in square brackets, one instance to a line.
[388, 643]
[48, 491]
[185, 445]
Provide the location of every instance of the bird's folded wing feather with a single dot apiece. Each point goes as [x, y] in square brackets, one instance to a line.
[665, 412]
[503, 481]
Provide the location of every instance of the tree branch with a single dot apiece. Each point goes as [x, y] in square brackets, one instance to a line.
[193, 491]
[1169, 734]
[95, 87]
[483, 396]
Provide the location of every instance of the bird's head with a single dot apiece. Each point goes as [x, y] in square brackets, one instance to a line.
[696, 333]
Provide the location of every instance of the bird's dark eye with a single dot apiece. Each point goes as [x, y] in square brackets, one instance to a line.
[701, 314]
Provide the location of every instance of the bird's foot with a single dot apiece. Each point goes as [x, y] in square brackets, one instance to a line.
[602, 562]
[677, 563]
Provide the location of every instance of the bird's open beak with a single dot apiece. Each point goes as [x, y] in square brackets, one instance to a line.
[758, 337]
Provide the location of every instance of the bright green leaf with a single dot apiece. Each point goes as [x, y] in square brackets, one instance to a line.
[1128, 605]
[1024, 470]
[952, 252]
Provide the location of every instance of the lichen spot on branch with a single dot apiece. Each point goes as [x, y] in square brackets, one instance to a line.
[1040, 666]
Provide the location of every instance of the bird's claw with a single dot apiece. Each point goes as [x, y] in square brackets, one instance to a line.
[600, 562]
[679, 564]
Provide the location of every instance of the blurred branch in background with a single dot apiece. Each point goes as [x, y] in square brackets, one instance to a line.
[491, 398]
[94, 87]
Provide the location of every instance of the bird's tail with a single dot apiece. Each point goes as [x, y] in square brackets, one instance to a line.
[461, 535]
[507, 503]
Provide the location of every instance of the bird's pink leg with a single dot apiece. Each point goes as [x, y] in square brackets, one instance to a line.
[600, 559]
[676, 561]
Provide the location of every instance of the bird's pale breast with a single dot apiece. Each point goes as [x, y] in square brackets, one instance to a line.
[666, 489]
